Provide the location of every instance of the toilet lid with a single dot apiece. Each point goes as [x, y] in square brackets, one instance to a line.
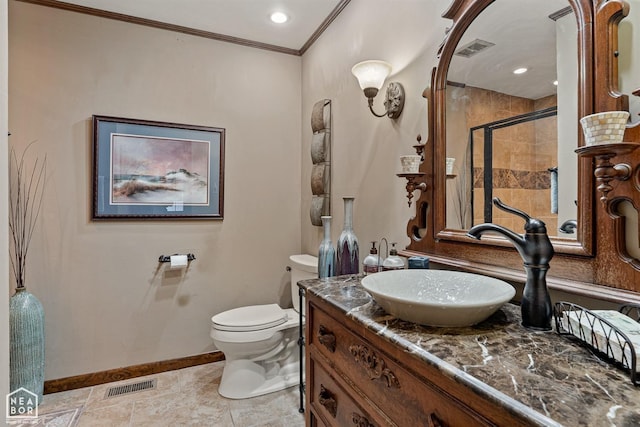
[250, 318]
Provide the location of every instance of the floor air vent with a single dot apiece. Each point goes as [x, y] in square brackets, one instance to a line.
[131, 388]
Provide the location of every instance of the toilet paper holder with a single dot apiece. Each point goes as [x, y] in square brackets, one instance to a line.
[167, 258]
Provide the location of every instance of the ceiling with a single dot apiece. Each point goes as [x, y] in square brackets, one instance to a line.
[241, 21]
[521, 30]
[523, 35]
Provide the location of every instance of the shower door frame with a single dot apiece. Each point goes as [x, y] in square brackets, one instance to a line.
[488, 154]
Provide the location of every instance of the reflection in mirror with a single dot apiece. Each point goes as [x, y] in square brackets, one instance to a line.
[513, 135]
[509, 156]
[630, 214]
[628, 44]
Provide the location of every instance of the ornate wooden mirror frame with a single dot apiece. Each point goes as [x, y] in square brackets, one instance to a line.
[580, 266]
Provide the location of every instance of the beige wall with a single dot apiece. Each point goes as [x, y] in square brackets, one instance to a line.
[366, 149]
[628, 66]
[568, 125]
[107, 301]
[4, 215]
[458, 189]
[629, 59]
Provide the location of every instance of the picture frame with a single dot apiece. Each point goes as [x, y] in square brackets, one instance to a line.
[145, 169]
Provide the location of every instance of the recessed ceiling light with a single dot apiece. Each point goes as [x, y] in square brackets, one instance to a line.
[520, 70]
[555, 83]
[279, 17]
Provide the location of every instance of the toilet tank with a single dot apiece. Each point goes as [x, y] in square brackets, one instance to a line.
[303, 267]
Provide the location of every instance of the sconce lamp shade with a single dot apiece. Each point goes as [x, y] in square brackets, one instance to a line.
[371, 74]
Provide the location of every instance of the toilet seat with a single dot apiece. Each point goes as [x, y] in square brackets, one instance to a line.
[250, 318]
[253, 333]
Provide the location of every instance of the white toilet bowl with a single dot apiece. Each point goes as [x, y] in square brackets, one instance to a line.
[260, 342]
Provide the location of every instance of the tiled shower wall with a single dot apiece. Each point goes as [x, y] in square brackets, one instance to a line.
[522, 155]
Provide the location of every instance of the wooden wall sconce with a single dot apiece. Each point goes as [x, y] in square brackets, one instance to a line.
[419, 147]
[413, 183]
[605, 171]
[415, 180]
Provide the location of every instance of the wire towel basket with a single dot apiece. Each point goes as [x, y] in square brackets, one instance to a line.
[599, 334]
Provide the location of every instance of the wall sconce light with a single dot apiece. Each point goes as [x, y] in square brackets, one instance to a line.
[371, 76]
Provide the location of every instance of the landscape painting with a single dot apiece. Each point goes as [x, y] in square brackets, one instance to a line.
[148, 169]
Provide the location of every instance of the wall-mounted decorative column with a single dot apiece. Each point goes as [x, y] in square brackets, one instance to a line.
[321, 158]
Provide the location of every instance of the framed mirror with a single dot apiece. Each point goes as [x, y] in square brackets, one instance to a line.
[438, 230]
[508, 133]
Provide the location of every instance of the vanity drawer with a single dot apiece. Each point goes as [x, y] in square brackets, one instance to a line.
[403, 397]
[334, 405]
[315, 421]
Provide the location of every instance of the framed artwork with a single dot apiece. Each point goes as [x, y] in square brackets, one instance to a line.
[146, 169]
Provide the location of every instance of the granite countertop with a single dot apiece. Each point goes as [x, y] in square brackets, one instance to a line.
[546, 378]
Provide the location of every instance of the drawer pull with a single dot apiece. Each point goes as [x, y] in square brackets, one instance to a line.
[328, 400]
[434, 421]
[374, 365]
[360, 421]
[327, 338]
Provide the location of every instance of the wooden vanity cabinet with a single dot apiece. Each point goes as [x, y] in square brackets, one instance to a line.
[356, 378]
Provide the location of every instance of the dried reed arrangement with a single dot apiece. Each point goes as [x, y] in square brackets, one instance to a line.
[26, 192]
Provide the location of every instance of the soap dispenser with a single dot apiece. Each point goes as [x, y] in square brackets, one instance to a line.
[372, 262]
[393, 261]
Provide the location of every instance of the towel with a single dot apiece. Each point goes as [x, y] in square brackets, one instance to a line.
[554, 190]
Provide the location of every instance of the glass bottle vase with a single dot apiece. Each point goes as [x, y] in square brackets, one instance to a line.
[326, 251]
[347, 257]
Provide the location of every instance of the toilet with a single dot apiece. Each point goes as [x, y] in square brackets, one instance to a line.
[260, 342]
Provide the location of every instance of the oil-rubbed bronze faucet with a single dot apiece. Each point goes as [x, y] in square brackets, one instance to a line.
[536, 251]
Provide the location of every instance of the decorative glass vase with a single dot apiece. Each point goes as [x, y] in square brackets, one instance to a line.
[348, 260]
[326, 252]
[26, 357]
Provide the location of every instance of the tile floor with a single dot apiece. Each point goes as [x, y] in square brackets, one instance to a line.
[186, 397]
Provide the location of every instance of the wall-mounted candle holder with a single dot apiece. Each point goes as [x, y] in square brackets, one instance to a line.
[419, 147]
[410, 163]
[605, 171]
[414, 179]
[413, 183]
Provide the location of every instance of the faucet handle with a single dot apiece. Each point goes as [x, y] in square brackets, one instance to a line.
[531, 225]
[499, 204]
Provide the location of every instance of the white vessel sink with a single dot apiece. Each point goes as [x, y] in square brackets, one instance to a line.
[438, 297]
